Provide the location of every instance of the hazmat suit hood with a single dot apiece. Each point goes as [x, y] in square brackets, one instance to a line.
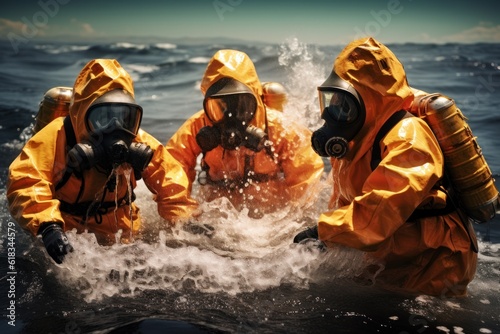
[238, 66]
[98, 77]
[379, 77]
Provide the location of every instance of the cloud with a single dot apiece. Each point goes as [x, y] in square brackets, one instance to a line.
[484, 32]
[87, 28]
[82, 27]
[8, 26]
[26, 29]
[22, 28]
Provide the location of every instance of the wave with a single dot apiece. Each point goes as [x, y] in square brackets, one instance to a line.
[199, 60]
[57, 49]
[165, 46]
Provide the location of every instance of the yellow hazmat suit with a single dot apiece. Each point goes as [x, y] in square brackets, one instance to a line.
[35, 173]
[260, 181]
[371, 209]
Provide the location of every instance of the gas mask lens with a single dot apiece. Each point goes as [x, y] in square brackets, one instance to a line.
[242, 106]
[338, 106]
[108, 115]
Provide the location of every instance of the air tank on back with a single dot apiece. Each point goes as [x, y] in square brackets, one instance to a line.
[274, 95]
[55, 103]
[465, 164]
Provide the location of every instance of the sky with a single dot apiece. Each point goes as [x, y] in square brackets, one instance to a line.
[325, 22]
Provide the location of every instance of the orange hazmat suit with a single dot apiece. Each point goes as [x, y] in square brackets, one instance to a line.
[35, 173]
[371, 209]
[261, 181]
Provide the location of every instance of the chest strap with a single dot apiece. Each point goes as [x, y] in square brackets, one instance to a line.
[70, 142]
[388, 125]
[93, 208]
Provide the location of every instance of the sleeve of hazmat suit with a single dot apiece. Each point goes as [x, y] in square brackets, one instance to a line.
[183, 147]
[166, 178]
[32, 178]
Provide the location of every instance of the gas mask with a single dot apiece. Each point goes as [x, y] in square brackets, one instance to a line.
[344, 113]
[230, 105]
[112, 127]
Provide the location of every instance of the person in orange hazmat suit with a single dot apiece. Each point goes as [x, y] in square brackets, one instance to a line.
[79, 172]
[250, 155]
[394, 211]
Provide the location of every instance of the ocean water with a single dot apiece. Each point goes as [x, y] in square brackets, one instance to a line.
[248, 277]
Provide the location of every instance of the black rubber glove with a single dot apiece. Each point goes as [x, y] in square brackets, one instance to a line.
[310, 233]
[55, 241]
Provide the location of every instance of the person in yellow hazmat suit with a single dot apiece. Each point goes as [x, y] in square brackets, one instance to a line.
[79, 172]
[393, 210]
[249, 154]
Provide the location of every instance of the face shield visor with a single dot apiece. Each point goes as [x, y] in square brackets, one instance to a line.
[230, 99]
[241, 107]
[338, 106]
[111, 116]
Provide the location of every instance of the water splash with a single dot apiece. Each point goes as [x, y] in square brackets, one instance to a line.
[306, 69]
[125, 170]
[242, 255]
